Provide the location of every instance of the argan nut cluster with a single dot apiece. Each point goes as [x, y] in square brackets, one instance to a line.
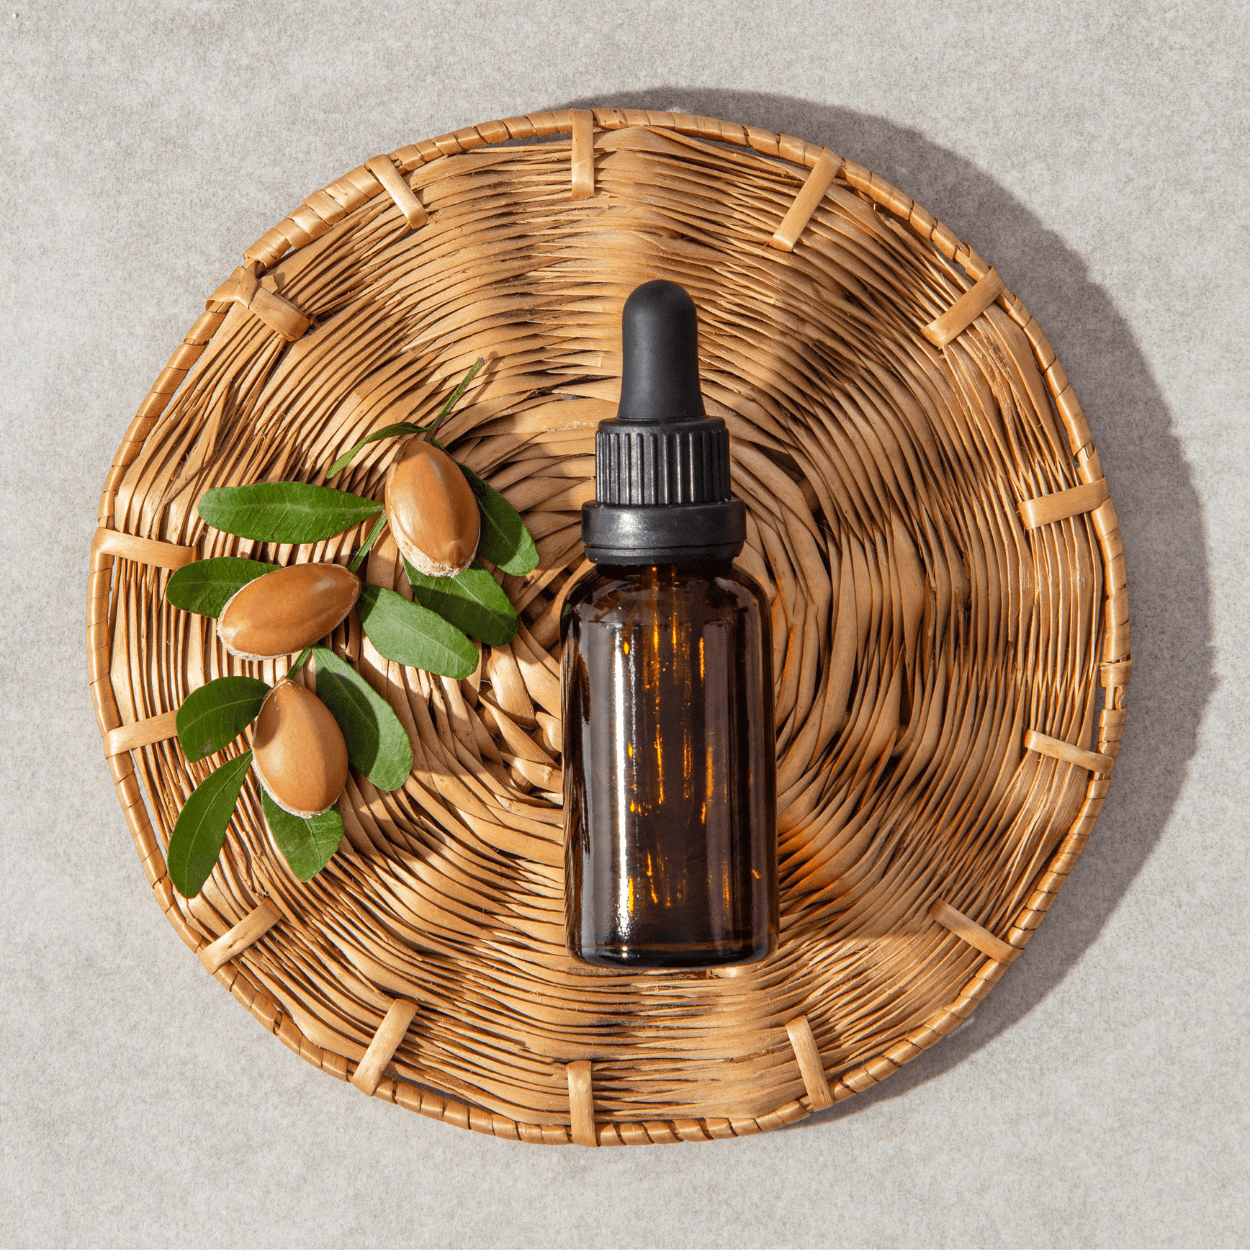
[432, 511]
[299, 751]
[287, 610]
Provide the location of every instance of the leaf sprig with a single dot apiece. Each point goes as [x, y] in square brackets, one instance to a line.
[432, 632]
[213, 716]
[437, 638]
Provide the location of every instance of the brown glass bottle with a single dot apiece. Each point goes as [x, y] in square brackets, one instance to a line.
[669, 773]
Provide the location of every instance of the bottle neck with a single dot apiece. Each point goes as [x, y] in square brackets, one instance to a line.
[665, 572]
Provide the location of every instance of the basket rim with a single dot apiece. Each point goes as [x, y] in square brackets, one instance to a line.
[305, 224]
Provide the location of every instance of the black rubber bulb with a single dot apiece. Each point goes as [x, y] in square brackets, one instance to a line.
[660, 346]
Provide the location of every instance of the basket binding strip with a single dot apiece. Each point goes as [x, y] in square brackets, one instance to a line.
[926, 509]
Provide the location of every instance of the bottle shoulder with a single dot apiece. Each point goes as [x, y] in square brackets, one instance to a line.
[747, 584]
[607, 589]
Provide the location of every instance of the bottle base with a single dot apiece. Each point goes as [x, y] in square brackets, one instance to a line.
[646, 957]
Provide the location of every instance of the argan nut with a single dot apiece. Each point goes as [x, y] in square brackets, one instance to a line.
[299, 751]
[432, 511]
[286, 610]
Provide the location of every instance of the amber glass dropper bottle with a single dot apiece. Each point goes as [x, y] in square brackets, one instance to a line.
[669, 773]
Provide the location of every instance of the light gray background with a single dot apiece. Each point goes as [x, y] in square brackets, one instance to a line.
[1096, 154]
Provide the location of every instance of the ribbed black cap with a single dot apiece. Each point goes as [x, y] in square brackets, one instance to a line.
[662, 466]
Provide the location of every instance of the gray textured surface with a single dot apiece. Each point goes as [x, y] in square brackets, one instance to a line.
[1095, 154]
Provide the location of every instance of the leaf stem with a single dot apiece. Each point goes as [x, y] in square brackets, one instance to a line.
[299, 663]
[406, 427]
[389, 431]
[454, 398]
[373, 537]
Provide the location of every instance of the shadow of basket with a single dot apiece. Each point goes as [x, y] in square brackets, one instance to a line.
[1160, 518]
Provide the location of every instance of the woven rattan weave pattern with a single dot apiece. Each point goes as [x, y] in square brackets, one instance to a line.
[926, 510]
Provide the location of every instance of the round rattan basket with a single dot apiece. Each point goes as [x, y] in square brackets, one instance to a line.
[927, 513]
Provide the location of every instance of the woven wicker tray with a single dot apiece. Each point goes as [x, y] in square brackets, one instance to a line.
[927, 511]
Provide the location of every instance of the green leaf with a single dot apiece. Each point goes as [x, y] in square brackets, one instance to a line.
[206, 586]
[215, 714]
[284, 512]
[307, 843]
[201, 827]
[387, 431]
[506, 543]
[376, 741]
[358, 558]
[410, 634]
[472, 601]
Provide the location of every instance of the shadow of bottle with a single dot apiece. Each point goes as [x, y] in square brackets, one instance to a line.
[1160, 520]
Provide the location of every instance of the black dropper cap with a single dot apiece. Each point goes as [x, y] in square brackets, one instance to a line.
[662, 466]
